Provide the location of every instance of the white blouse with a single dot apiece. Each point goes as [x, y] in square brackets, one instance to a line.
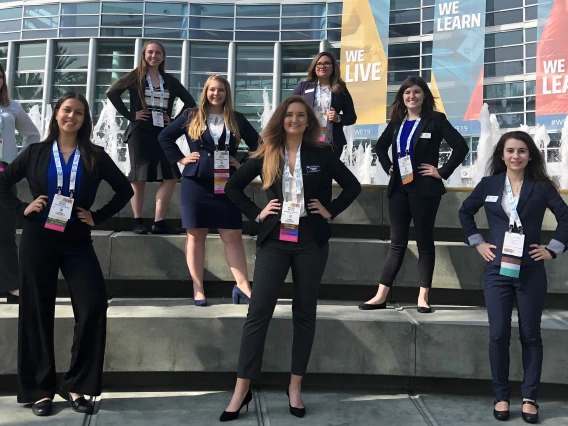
[12, 118]
[292, 196]
[218, 125]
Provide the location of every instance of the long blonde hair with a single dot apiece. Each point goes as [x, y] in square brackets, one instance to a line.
[137, 76]
[198, 121]
[4, 98]
[274, 140]
[336, 84]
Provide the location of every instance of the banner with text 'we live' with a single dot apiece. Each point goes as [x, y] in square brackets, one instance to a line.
[551, 64]
[364, 43]
[457, 61]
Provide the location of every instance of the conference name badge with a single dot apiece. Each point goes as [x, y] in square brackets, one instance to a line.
[513, 247]
[406, 172]
[158, 118]
[221, 171]
[59, 213]
[290, 222]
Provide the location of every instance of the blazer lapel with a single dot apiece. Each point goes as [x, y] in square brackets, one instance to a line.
[499, 187]
[526, 189]
[419, 131]
[310, 93]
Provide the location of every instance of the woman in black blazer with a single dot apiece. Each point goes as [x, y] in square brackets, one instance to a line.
[517, 179]
[152, 94]
[213, 132]
[64, 173]
[327, 93]
[414, 135]
[297, 172]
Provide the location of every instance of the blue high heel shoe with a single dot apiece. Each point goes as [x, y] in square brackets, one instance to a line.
[239, 294]
[200, 302]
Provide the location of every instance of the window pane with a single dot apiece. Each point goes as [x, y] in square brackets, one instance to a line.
[333, 22]
[121, 20]
[30, 63]
[333, 35]
[45, 10]
[78, 32]
[28, 92]
[15, 25]
[428, 13]
[12, 13]
[254, 66]
[531, 13]
[59, 91]
[167, 8]
[426, 48]
[28, 79]
[210, 35]
[504, 53]
[212, 10]
[165, 21]
[173, 48]
[66, 77]
[530, 50]
[503, 90]
[404, 30]
[303, 35]
[304, 50]
[115, 62]
[405, 16]
[253, 82]
[258, 24]
[80, 8]
[530, 65]
[530, 34]
[504, 69]
[506, 105]
[494, 5]
[121, 32]
[510, 120]
[255, 51]
[71, 62]
[116, 48]
[199, 64]
[209, 50]
[41, 23]
[258, 11]
[427, 61]
[107, 78]
[303, 9]
[531, 103]
[80, 21]
[402, 64]
[123, 7]
[404, 4]
[31, 49]
[399, 77]
[249, 96]
[428, 27]
[503, 39]
[531, 87]
[72, 48]
[335, 8]
[211, 23]
[407, 49]
[501, 18]
[303, 23]
[296, 65]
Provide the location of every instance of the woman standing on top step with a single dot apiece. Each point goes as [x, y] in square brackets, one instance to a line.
[152, 94]
[515, 197]
[415, 189]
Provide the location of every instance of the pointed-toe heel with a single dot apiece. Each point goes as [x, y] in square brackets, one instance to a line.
[297, 412]
[501, 415]
[530, 418]
[43, 408]
[238, 294]
[228, 416]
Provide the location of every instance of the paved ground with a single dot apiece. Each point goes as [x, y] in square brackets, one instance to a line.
[270, 408]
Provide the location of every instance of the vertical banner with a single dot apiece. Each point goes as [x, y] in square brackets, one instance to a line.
[364, 43]
[457, 62]
[551, 66]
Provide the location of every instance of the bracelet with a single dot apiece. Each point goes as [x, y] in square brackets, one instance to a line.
[551, 252]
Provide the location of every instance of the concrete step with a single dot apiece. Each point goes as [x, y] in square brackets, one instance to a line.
[167, 335]
[352, 262]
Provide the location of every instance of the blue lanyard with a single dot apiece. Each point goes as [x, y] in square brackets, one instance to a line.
[59, 167]
[151, 88]
[216, 136]
[409, 141]
[514, 218]
[297, 172]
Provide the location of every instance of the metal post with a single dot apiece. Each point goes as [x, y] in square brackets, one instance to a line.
[277, 74]
[231, 67]
[11, 68]
[92, 72]
[324, 46]
[48, 76]
[185, 63]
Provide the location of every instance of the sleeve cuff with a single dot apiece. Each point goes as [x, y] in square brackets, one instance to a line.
[475, 240]
[257, 220]
[556, 246]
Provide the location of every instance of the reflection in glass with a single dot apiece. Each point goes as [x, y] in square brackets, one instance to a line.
[254, 66]
[80, 8]
[258, 11]
[9, 36]
[531, 87]
[504, 39]
[118, 47]
[502, 18]
[504, 90]
[210, 35]
[199, 64]
[66, 77]
[106, 78]
[45, 10]
[121, 32]
[12, 13]
[504, 69]
[40, 23]
[59, 91]
[37, 63]
[303, 9]
[28, 92]
[402, 64]
[71, 62]
[162, 33]
[28, 79]
[165, 21]
[72, 48]
[14, 25]
[302, 35]
[211, 23]
[80, 21]
[167, 8]
[506, 105]
[303, 23]
[405, 16]
[216, 50]
[504, 53]
[335, 8]
[257, 24]
[115, 62]
[405, 49]
[122, 20]
[404, 30]
[212, 10]
[123, 7]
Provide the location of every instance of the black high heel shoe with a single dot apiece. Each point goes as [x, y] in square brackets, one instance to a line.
[79, 405]
[530, 418]
[298, 412]
[227, 416]
[501, 415]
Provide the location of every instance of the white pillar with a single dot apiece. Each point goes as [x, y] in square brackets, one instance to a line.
[92, 72]
[231, 66]
[276, 74]
[324, 46]
[11, 68]
[185, 57]
[48, 75]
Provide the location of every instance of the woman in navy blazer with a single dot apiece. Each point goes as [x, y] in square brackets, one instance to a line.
[516, 158]
[205, 129]
[327, 93]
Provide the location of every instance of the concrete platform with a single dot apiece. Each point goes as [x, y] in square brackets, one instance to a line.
[270, 408]
[160, 335]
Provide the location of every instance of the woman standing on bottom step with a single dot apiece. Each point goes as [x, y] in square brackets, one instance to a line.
[213, 131]
[515, 197]
[297, 172]
[415, 189]
[152, 93]
[64, 173]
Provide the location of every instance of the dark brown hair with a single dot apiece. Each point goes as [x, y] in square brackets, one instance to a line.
[274, 139]
[336, 84]
[536, 167]
[398, 109]
[4, 98]
[89, 151]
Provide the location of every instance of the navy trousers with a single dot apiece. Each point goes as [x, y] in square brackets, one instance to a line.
[529, 290]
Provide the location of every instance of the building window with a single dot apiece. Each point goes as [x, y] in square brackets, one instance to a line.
[296, 58]
[70, 68]
[206, 60]
[30, 71]
[3, 55]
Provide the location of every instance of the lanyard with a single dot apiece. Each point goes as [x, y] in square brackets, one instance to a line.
[73, 177]
[514, 218]
[151, 88]
[216, 136]
[409, 141]
[297, 172]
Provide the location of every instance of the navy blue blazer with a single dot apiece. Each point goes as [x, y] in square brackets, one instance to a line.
[535, 197]
[342, 104]
[205, 146]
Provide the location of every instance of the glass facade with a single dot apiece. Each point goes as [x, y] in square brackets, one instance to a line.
[258, 46]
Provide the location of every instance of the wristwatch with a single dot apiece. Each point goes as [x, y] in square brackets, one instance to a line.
[551, 252]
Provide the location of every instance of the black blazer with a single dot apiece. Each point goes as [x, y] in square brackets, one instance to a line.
[426, 150]
[342, 104]
[205, 146]
[319, 167]
[535, 197]
[175, 88]
[32, 164]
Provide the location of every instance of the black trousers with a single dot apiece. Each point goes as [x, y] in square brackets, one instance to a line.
[273, 260]
[9, 271]
[42, 254]
[406, 205]
[529, 290]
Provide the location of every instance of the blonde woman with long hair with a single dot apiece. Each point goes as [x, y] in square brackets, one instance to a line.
[297, 172]
[213, 132]
[152, 95]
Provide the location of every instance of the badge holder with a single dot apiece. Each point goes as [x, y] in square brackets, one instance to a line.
[406, 171]
[158, 118]
[290, 222]
[512, 254]
[221, 170]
